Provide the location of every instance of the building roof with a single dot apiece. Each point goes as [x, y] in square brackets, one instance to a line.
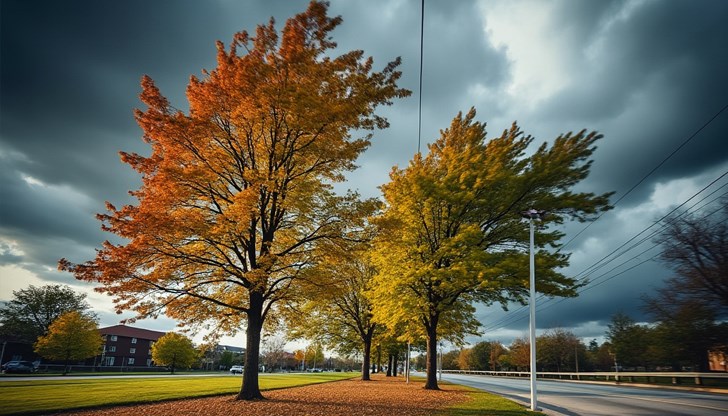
[230, 348]
[131, 332]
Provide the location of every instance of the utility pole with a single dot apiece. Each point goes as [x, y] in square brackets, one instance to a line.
[532, 214]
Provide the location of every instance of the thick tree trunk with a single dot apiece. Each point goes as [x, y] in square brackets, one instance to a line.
[431, 383]
[389, 365]
[251, 389]
[395, 364]
[367, 358]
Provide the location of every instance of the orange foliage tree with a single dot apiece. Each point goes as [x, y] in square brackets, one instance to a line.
[236, 195]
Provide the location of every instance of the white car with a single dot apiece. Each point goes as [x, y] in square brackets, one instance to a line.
[236, 369]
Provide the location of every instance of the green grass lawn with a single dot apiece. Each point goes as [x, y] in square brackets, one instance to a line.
[42, 396]
[486, 404]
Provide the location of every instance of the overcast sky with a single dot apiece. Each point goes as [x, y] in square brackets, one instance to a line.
[646, 74]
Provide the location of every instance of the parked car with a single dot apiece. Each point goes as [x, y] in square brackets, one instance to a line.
[236, 369]
[18, 367]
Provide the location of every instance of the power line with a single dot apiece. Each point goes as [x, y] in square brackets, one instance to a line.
[659, 165]
[517, 315]
[422, 54]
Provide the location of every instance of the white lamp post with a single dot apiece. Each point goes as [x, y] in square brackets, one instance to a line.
[533, 214]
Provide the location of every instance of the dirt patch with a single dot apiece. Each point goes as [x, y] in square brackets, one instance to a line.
[382, 395]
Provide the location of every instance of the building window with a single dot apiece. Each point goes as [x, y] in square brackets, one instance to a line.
[130, 362]
[150, 352]
[132, 350]
[112, 348]
[113, 337]
[133, 340]
[110, 360]
[149, 362]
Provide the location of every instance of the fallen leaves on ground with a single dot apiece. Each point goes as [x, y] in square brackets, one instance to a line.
[381, 395]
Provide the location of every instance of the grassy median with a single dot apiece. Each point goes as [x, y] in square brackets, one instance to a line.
[42, 396]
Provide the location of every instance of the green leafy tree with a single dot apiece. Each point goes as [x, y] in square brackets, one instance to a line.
[601, 357]
[175, 351]
[31, 311]
[630, 341]
[237, 193]
[226, 359]
[481, 356]
[450, 360]
[72, 337]
[452, 232]
[683, 338]
[476, 358]
[559, 350]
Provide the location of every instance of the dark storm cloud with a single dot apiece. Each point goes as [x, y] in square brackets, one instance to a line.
[71, 74]
[648, 81]
[456, 58]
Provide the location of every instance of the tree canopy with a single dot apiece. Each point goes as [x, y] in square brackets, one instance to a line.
[236, 194]
[31, 311]
[335, 309]
[696, 248]
[73, 336]
[452, 233]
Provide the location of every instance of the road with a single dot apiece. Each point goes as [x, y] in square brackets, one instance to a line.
[576, 399]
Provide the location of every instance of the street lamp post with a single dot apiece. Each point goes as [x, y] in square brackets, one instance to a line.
[532, 214]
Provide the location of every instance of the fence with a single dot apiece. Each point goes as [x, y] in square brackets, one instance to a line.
[58, 368]
[697, 379]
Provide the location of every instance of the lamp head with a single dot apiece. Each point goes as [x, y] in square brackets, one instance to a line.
[533, 214]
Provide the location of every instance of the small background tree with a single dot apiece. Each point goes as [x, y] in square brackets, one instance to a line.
[174, 350]
[73, 336]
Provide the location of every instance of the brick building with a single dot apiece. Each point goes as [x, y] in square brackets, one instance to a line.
[126, 346]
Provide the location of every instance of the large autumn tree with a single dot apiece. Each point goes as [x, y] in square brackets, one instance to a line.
[236, 194]
[452, 231]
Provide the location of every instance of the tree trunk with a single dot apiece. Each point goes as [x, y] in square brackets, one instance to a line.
[431, 383]
[379, 358]
[395, 357]
[367, 357]
[389, 365]
[251, 389]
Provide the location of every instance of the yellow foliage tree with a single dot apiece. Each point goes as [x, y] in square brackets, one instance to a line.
[175, 351]
[236, 194]
[452, 233]
[73, 336]
[335, 309]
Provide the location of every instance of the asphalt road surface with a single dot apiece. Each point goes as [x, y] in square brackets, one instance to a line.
[576, 399]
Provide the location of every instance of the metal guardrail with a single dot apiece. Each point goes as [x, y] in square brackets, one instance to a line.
[616, 376]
